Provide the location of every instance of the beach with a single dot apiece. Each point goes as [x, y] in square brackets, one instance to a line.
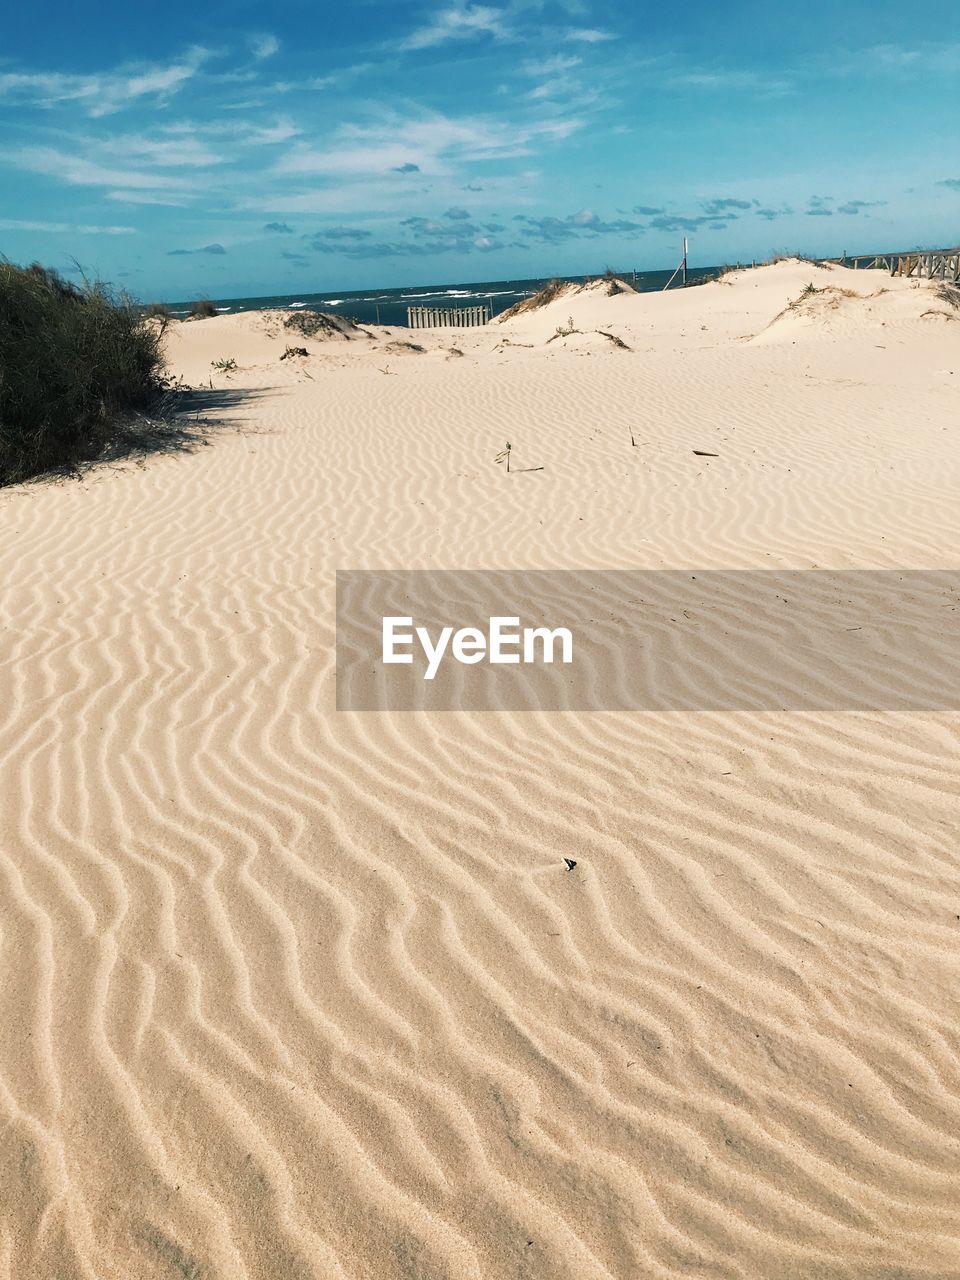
[289, 991]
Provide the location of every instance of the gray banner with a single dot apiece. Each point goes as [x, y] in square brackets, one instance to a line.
[660, 640]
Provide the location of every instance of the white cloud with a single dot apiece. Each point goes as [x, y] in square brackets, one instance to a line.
[433, 143]
[332, 80]
[723, 80]
[156, 167]
[551, 66]
[264, 46]
[269, 135]
[78, 170]
[85, 229]
[226, 134]
[941, 57]
[549, 89]
[588, 35]
[460, 22]
[148, 197]
[102, 93]
[169, 152]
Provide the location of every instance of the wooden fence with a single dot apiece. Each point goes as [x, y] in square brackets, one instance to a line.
[936, 264]
[448, 317]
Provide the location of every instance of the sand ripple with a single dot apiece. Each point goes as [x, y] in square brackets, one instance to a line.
[292, 993]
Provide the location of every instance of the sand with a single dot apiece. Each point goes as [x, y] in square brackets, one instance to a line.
[286, 992]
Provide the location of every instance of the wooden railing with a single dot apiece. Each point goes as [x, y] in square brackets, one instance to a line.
[448, 317]
[933, 264]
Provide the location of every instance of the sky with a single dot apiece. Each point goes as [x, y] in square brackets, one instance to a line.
[233, 148]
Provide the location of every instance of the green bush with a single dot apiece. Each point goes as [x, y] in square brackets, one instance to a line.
[75, 362]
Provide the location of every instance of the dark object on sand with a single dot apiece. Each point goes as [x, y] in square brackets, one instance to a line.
[570, 863]
[617, 342]
[702, 453]
[323, 324]
[294, 351]
[399, 346]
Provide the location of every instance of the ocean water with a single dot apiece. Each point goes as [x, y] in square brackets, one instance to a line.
[389, 306]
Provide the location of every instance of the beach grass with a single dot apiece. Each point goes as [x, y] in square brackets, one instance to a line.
[76, 360]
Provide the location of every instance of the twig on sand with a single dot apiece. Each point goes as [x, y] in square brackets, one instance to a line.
[504, 455]
[564, 332]
[617, 342]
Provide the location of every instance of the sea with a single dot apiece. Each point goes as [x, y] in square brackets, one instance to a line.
[389, 306]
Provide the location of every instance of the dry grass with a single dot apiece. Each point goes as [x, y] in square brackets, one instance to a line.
[76, 361]
[323, 324]
[399, 347]
[549, 293]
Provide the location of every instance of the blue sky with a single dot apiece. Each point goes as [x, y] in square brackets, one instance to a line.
[234, 148]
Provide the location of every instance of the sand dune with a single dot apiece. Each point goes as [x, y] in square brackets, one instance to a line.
[287, 992]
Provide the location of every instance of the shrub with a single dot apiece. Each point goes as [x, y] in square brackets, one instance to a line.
[203, 309]
[227, 365]
[323, 324]
[158, 311]
[75, 360]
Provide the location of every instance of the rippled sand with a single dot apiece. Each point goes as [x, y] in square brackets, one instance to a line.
[291, 993]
